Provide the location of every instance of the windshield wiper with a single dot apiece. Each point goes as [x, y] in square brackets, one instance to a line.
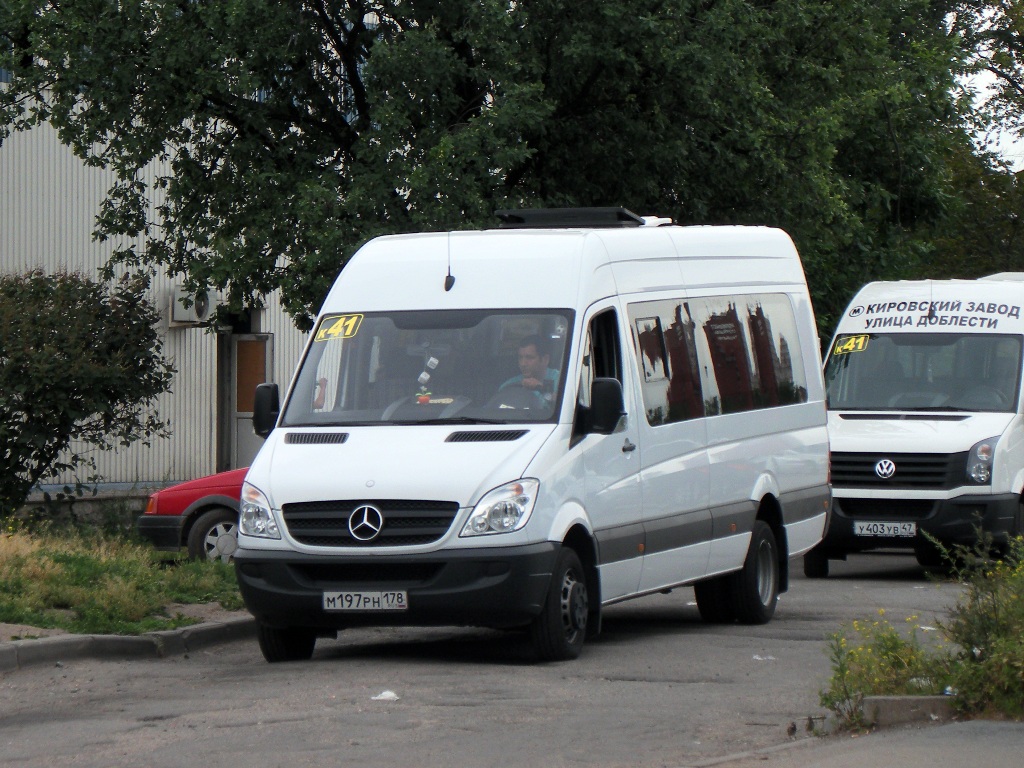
[452, 420]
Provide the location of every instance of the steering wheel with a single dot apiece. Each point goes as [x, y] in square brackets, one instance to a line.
[516, 398]
[983, 396]
[390, 410]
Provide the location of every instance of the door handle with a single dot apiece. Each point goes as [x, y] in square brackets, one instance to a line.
[628, 447]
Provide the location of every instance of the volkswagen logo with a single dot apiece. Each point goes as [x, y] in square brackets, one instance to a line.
[365, 523]
[884, 469]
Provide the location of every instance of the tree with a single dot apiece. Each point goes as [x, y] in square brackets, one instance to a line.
[983, 230]
[295, 130]
[993, 34]
[80, 367]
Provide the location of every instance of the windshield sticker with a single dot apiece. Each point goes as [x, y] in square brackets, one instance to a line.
[851, 344]
[338, 327]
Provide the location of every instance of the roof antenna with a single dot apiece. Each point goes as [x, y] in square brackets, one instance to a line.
[449, 281]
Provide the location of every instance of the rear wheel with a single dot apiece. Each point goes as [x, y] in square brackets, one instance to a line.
[756, 585]
[292, 644]
[559, 631]
[715, 600]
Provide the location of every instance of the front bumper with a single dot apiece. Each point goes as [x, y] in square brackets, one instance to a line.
[951, 521]
[499, 587]
[162, 531]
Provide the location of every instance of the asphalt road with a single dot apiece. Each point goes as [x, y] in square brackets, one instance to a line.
[658, 688]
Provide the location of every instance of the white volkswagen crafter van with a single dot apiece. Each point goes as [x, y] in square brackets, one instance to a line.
[923, 381]
[514, 428]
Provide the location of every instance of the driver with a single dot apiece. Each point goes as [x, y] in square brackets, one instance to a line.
[535, 375]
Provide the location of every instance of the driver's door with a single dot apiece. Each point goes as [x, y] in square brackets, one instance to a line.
[612, 492]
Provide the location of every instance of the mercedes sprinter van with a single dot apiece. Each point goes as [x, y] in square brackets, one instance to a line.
[517, 427]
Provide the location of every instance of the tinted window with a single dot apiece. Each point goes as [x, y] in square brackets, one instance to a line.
[722, 354]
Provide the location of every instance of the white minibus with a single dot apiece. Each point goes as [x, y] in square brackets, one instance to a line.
[515, 428]
[923, 380]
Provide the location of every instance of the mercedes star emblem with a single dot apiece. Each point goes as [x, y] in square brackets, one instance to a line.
[365, 522]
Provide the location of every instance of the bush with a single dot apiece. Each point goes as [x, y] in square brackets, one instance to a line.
[978, 656]
[987, 627]
[80, 368]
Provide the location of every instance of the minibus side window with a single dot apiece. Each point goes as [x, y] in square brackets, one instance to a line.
[717, 354]
[602, 358]
[666, 350]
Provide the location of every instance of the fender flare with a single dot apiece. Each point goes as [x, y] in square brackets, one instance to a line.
[765, 485]
[570, 514]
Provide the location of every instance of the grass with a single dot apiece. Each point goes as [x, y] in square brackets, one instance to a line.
[977, 656]
[94, 582]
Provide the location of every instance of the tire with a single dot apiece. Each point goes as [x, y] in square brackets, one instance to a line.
[756, 585]
[214, 536]
[929, 556]
[285, 644]
[815, 565]
[558, 633]
[715, 600]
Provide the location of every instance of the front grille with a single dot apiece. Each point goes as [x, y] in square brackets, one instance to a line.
[406, 523]
[914, 471]
[886, 509]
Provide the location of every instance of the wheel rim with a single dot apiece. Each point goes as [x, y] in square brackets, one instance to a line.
[574, 607]
[221, 542]
[765, 572]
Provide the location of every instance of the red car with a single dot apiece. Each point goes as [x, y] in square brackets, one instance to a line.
[201, 515]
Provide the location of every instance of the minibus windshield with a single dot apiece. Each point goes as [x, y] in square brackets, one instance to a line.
[924, 372]
[426, 367]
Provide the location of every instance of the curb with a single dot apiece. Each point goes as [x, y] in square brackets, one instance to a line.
[886, 711]
[19, 654]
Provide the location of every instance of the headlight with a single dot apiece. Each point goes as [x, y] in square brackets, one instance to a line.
[255, 517]
[505, 509]
[979, 461]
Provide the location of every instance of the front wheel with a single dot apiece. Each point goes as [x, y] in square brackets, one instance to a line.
[559, 631]
[291, 644]
[815, 565]
[756, 585]
[214, 536]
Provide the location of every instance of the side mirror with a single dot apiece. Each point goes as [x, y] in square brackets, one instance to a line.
[606, 406]
[265, 410]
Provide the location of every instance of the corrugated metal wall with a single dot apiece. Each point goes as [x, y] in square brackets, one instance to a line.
[48, 203]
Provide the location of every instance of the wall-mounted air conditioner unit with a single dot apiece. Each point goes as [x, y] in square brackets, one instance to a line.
[199, 311]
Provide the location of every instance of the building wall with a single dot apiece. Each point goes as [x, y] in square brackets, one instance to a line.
[48, 203]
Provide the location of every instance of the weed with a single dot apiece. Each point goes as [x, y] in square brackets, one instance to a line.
[874, 658]
[94, 582]
[979, 655]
